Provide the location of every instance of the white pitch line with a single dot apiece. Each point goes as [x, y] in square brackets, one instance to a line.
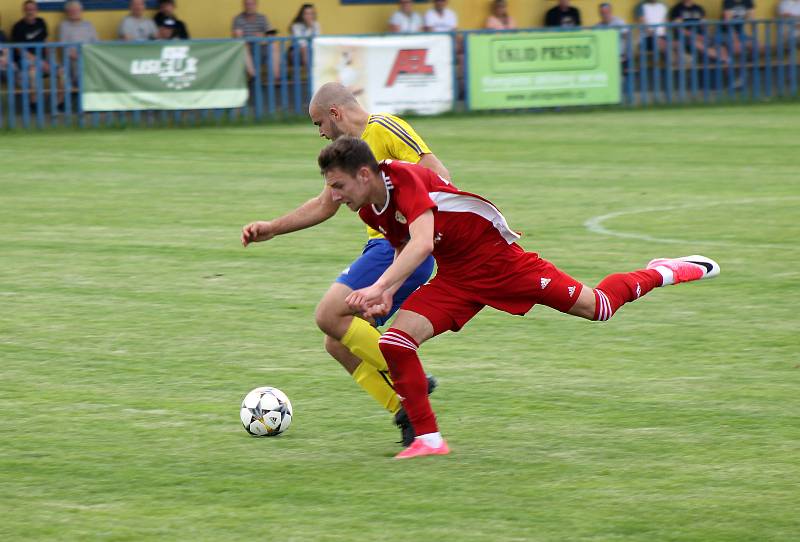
[595, 224]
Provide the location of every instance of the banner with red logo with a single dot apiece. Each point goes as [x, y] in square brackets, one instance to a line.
[389, 74]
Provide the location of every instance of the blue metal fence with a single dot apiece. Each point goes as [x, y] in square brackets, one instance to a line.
[708, 62]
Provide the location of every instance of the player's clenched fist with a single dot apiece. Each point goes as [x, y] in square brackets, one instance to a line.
[371, 301]
[257, 231]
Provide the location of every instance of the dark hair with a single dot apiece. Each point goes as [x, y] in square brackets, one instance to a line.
[348, 154]
[299, 17]
[162, 2]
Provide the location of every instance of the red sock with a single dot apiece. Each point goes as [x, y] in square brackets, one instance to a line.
[620, 288]
[400, 351]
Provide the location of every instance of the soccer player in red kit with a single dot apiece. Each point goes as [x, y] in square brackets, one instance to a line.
[479, 264]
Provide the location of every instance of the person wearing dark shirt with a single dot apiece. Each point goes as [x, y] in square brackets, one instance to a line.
[30, 29]
[3, 57]
[687, 11]
[33, 29]
[563, 15]
[736, 13]
[169, 26]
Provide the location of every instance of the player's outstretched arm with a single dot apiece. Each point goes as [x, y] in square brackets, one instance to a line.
[313, 212]
[433, 163]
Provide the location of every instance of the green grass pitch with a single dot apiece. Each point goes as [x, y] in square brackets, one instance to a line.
[132, 323]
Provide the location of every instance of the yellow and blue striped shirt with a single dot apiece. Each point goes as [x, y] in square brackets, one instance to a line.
[391, 137]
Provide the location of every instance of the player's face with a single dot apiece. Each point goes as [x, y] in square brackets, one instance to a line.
[326, 121]
[350, 190]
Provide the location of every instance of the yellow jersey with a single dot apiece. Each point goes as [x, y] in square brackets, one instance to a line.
[391, 137]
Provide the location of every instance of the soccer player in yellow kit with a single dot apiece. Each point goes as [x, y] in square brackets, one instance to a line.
[350, 339]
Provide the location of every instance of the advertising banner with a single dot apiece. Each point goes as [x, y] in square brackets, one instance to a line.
[169, 75]
[389, 74]
[543, 69]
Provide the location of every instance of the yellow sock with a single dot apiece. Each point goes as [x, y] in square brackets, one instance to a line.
[373, 373]
[362, 340]
[377, 385]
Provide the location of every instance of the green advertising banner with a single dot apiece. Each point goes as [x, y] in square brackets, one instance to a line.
[168, 75]
[538, 69]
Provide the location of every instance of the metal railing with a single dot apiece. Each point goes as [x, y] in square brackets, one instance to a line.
[709, 62]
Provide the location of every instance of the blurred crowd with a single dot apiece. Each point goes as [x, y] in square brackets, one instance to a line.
[735, 34]
[165, 25]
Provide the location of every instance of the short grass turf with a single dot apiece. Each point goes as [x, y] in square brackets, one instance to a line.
[132, 323]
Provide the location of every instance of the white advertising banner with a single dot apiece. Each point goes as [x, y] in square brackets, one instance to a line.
[389, 74]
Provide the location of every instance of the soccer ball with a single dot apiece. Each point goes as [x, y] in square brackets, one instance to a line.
[266, 412]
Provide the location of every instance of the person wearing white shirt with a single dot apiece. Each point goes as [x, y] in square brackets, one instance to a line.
[405, 20]
[305, 25]
[651, 13]
[440, 18]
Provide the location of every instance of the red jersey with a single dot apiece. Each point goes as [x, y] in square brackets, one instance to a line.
[468, 229]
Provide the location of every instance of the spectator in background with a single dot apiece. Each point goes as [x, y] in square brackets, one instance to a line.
[790, 11]
[306, 26]
[440, 18]
[167, 29]
[563, 15]
[252, 24]
[135, 26]
[3, 56]
[73, 29]
[686, 11]
[499, 18]
[169, 26]
[736, 13]
[609, 20]
[405, 20]
[652, 13]
[33, 29]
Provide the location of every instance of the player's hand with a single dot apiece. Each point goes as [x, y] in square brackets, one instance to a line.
[257, 231]
[366, 300]
[376, 311]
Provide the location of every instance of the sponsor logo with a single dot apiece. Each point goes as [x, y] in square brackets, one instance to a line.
[399, 217]
[544, 283]
[707, 265]
[638, 290]
[409, 62]
[176, 68]
[571, 290]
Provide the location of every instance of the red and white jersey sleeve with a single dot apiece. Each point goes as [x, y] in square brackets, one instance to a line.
[467, 227]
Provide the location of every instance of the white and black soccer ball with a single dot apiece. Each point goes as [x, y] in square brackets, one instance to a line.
[266, 412]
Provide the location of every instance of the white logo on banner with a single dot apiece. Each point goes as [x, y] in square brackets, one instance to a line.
[175, 68]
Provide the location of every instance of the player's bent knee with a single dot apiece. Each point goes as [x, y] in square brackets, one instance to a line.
[332, 309]
[331, 345]
[323, 319]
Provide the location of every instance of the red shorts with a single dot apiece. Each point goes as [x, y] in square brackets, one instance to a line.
[513, 282]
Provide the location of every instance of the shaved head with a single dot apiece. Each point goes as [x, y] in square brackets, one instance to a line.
[336, 112]
[332, 94]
